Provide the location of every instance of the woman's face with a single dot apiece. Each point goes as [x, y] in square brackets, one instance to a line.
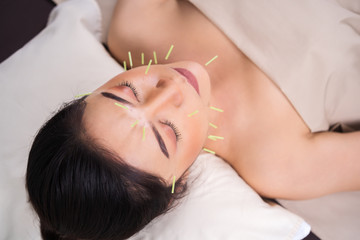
[144, 118]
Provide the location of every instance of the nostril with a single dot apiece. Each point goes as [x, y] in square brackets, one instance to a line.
[170, 91]
[161, 83]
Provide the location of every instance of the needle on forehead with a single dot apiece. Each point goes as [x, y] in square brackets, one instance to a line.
[155, 58]
[168, 54]
[82, 95]
[130, 59]
[148, 67]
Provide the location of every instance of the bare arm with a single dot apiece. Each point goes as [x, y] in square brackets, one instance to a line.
[336, 161]
[316, 165]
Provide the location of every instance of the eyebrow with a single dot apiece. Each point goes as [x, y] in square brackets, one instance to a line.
[160, 141]
[155, 131]
[116, 98]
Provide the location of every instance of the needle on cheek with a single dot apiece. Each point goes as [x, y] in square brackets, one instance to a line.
[214, 138]
[193, 113]
[211, 60]
[209, 151]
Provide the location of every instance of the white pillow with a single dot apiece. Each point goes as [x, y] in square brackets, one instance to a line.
[67, 59]
[64, 60]
[220, 205]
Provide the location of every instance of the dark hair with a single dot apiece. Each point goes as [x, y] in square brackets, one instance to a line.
[81, 190]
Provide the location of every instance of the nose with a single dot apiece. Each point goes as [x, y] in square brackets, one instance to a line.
[166, 94]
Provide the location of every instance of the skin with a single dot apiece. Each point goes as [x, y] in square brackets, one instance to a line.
[161, 95]
[265, 140]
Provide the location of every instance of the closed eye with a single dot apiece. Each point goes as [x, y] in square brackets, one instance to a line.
[132, 87]
[174, 128]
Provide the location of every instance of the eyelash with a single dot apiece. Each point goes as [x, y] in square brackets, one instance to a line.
[170, 124]
[131, 86]
[174, 128]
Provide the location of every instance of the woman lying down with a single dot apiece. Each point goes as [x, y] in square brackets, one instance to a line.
[108, 163]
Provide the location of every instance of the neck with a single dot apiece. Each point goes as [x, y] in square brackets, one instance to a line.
[228, 78]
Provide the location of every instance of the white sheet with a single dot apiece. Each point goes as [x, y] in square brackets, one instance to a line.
[332, 217]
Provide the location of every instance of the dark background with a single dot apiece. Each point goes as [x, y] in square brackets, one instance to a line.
[20, 21]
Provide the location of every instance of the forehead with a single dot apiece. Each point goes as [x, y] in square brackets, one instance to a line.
[137, 74]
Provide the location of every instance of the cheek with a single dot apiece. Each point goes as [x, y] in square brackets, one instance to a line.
[196, 136]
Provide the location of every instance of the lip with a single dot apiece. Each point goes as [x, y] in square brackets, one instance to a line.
[189, 77]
